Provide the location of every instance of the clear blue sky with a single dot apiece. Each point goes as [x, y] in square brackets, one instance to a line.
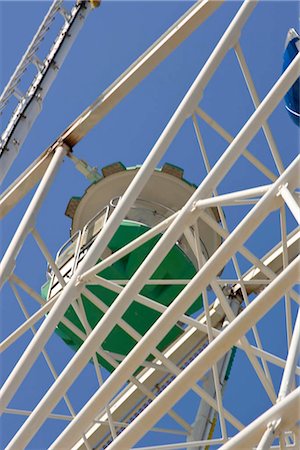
[113, 37]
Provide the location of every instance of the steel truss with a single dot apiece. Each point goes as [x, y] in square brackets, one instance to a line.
[127, 405]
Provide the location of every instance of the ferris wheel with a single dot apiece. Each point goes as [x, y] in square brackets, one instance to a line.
[166, 316]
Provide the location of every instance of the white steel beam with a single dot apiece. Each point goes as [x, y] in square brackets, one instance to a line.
[234, 260]
[180, 351]
[28, 289]
[255, 99]
[271, 263]
[28, 221]
[21, 412]
[185, 109]
[232, 197]
[285, 259]
[287, 411]
[183, 445]
[229, 138]
[25, 182]
[44, 352]
[291, 202]
[263, 375]
[128, 248]
[48, 256]
[153, 56]
[287, 381]
[109, 284]
[27, 325]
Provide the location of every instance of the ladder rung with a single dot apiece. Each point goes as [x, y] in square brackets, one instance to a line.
[18, 94]
[40, 65]
[19, 73]
[2, 106]
[9, 93]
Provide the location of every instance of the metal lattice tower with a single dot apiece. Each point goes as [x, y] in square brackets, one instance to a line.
[132, 400]
[30, 103]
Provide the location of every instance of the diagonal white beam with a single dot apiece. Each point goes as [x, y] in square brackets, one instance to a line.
[28, 289]
[291, 202]
[48, 256]
[128, 248]
[28, 221]
[80, 311]
[266, 265]
[47, 306]
[289, 373]
[9, 340]
[183, 445]
[153, 56]
[137, 382]
[234, 258]
[216, 380]
[285, 258]
[196, 323]
[287, 411]
[25, 182]
[232, 197]
[229, 138]
[255, 99]
[266, 382]
[44, 352]
[159, 355]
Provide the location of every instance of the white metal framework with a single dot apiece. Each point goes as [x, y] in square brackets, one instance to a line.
[127, 404]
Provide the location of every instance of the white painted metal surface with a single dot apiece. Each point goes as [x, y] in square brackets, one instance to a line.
[127, 405]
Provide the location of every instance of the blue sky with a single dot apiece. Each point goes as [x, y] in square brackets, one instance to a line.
[112, 38]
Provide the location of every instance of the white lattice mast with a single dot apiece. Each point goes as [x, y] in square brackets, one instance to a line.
[105, 419]
[30, 103]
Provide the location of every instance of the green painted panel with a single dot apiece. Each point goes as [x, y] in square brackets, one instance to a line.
[176, 265]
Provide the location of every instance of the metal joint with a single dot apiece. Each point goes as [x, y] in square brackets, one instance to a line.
[281, 187]
[61, 143]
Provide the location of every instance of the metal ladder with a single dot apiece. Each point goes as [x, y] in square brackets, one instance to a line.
[30, 103]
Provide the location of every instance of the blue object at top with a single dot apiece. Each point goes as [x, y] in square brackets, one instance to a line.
[292, 99]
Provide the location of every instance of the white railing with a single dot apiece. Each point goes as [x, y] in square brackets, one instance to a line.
[74, 249]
